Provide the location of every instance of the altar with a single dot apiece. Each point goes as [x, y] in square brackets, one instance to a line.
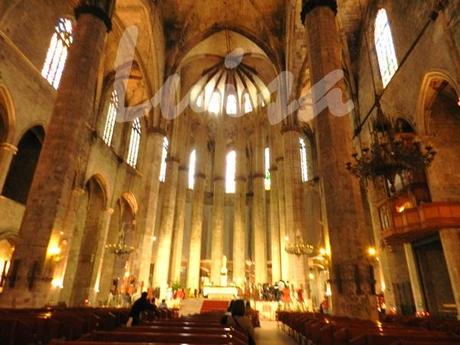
[220, 292]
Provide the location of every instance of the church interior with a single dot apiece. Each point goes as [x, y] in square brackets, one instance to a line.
[293, 154]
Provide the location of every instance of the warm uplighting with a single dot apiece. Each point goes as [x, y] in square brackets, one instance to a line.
[57, 283]
[54, 250]
[371, 251]
[322, 251]
[311, 276]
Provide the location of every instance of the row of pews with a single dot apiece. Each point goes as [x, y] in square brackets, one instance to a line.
[319, 329]
[203, 329]
[42, 326]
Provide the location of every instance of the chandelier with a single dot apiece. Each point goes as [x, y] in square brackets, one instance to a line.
[298, 247]
[120, 248]
[391, 153]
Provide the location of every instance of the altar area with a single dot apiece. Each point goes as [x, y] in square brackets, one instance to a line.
[220, 292]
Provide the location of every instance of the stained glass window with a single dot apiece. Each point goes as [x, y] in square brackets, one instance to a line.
[57, 52]
[267, 168]
[191, 170]
[111, 116]
[164, 155]
[134, 143]
[230, 172]
[303, 159]
[385, 48]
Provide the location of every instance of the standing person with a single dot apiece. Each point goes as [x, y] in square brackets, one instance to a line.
[139, 306]
[241, 322]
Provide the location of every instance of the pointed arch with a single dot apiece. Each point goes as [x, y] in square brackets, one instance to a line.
[7, 116]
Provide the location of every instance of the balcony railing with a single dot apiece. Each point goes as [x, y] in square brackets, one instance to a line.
[402, 223]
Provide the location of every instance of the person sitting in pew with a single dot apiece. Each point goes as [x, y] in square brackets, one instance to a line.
[238, 320]
[139, 306]
[163, 304]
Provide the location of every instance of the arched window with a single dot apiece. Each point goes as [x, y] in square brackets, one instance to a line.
[191, 170]
[57, 52]
[247, 106]
[385, 48]
[164, 155]
[111, 116]
[134, 142]
[22, 168]
[231, 106]
[214, 103]
[230, 172]
[303, 159]
[267, 169]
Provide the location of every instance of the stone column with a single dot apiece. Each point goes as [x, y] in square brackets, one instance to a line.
[161, 272]
[7, 151]
[260, 227]
[274, 216]
[32, 270]
[179, 218]
[239, 222]
[279, 159]
[193, 272]
[350, 283]
[98, 260]
[415, 282]
[450, 239]
[179, 225]
[294, 203]
[217, 236]
[147, 219]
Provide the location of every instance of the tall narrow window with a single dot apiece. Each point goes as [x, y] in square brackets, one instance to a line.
[247, 106]
[231, 106]
[214, 103]
[385, 48]
[230, 172]
[267, 181]
[303, 160]
[191, 170]
[57, 52]
[164, 155]
[110, 120]
[134, 143]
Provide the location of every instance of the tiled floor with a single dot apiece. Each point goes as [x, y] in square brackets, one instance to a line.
[269, 334]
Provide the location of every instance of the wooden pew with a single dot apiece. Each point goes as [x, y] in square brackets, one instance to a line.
[394, 339]
[182, 338]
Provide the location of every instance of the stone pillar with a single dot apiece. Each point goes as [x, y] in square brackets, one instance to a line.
[32, 270]
[294, 203]
[260, 226]
[450, 239]
[279, 159]
[239, 222]
[350, 283]
[98, 260]
[161, 272]
[179, 225]
[217, 236]
[193, 272]
[274, 216]
[7, 151]
[415, 282]
[147, 219]
[179, 218]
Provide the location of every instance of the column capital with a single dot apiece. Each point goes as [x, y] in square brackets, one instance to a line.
[258, 175]
[102, 9]
[173, 159]
[109, 210]
[218, 178]
[290, 127]
[157, 130]
[310, 5]
[9, 147]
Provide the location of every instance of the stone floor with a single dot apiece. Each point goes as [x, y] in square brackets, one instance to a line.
[269, 334]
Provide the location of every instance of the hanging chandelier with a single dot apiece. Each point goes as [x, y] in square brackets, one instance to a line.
[298, 247]
[120, 248]
[390, 153]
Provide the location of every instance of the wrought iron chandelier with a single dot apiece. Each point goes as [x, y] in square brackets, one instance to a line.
[391, 153]
[120, 248]
[298, 247]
